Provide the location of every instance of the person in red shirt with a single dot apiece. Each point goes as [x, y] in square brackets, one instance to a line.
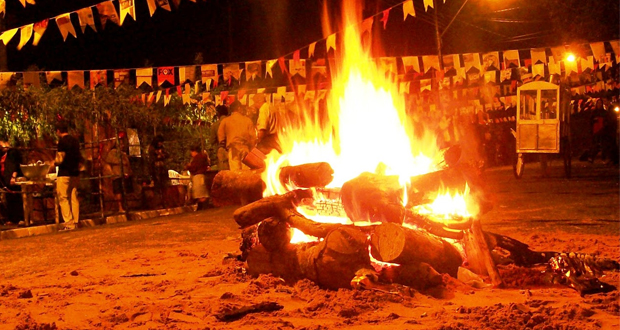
[198, 168]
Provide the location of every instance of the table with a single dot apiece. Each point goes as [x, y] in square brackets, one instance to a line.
[27, 192]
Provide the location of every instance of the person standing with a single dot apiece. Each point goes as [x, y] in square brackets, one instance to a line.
[157, 165]
[198, 168]
[120, 168]
[221, 153]
[68, 161]
[10, 161]
[237, 134]
[266, 126]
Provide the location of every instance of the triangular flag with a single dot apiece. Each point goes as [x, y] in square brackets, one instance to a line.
[427, 4]
[8, 35]
[408, 9]
[32, 78]
[587, 63]
[165, 74]
[86, 19]
[331, 42]
[311, 49]
[385, 17]
[430, 62]
[296, 56]
[411, 63]
[404, 87]
[5, 78]
[26, 33]
[491, 61]
[367, 25]
[120, 76]
[164, 4]
[538, 55]
[51, 75]
[269, 67]
[281, 91]
[167, 98]
[598, 50]
[471, 60]
[158, 96]
[152, 6]
[538, 70]
[65, 26]
[208, 73]
[144, 76]
[39, 29]
[206, 97]
[98, 77]
[180, 91]
[558, 53]
[75, 78]
[127, 7]
[554, 68]
[511, 59]
[490, 76]
[107, 11]
[570, 67]
[3, 7]
[615, 45]
[32, 2]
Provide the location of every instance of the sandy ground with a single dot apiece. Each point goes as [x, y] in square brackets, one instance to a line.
[171, 273]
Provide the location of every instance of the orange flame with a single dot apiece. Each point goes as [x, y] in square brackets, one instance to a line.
[449, 206]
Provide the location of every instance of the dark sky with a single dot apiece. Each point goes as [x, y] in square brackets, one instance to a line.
[245, 30]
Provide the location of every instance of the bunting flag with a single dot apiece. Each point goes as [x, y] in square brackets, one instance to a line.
[53, 75]
[331, 42]
[187, 73]
[185, 97]
[32, 2]
[404, 87]
[471, 60]
[587, 63]
[615, 45]
[411, 63]
[98, 77]
[490, 76]
[490, 61]
[8, 35]
[554, 68]
[165, 74]
[167, 97]
[428, 4]
[127, 8]
[505, 75]
[598, 50]
[269, 67]
[86, 19]
[206, 97]
[425, 85]
[408, 9]
[176, 3]
[208, 74]
[144, 76]
[538, 55]
[430, 62]
[538, 70]
[32, 79]
[311, 49]
[367, 25]
[152, 7]
[387, 65]
[39, 29]
[511, 59]
[164, 4]
[120, 77]
[65, 26]
[158, 96]
[26, 34]
[570, 67]
[107, 11]
[451, 62]
[297, 68]
[281, 92]
[385, 17]
[3, 7]
[558, 53]
[460, 77]
[75, 78]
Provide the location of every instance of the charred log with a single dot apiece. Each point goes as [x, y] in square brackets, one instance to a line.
[419, 276]
[274, 234]
[307, 226]
[397, 244]
[249, 239]
[236, 188]
[372, 197]
[282, 263]
[307, 175]
[238, 313]
[268, 207]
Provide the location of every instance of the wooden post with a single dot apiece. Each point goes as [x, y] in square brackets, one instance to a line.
[479, 255]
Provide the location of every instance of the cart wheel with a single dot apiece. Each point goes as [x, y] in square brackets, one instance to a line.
[519, 166]
[543, 165]
[566, 154]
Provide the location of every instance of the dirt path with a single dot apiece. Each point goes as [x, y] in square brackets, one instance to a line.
[170, 273]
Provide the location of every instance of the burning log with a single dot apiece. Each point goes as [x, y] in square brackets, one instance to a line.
[249, 239]
[419, 276]
[307, 175]
[478, 254]
[268, 207]
[331, 263]
[396, 244]
[453, 231]
[274, 234]
[307, 226]
[236, 187]
[372, 197]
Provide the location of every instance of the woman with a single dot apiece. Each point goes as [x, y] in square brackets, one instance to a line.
[198, 168]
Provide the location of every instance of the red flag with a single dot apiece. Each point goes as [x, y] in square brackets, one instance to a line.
[165, 74]
[296, 56]
[384, 19]
[282, 64]
[240, 94]
[224, 96]
[180, 91]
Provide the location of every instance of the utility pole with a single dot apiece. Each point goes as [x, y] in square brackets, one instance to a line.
[4, 62]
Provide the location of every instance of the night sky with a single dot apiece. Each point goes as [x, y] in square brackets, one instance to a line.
[245, 30]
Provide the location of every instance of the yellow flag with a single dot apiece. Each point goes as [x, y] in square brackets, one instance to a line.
[65, 26]
[427, 4]
[127, 7]
[269, 67]
[26, 34]
[75, 78]
[144, 76]
[152, 6]
[331, 42]
[3, 7]
[39, 29]
[408, 9]
[8, 35]
[311, 49]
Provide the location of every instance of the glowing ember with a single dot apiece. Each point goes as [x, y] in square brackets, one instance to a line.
[449, 206]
